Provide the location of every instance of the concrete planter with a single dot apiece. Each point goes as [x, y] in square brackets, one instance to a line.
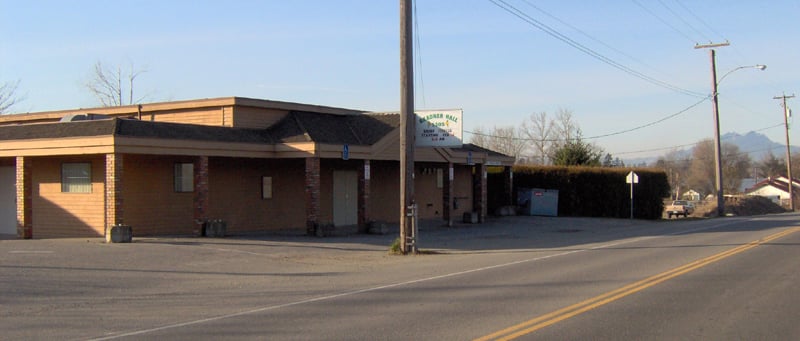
[119, 234]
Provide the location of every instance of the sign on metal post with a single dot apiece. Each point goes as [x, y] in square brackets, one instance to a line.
[632, 178]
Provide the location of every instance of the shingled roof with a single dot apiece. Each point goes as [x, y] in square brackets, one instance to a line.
[365, 129]
[297, 126]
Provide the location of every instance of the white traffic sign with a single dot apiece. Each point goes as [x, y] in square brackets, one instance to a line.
[632, 178]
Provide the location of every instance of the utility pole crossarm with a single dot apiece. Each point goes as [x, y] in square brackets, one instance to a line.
[712, 45]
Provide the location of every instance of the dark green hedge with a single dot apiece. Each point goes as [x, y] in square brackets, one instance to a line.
[598, 192]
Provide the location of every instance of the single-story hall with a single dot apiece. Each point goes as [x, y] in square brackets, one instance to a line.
[258, 165]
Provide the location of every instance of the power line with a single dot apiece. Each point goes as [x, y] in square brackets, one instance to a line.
[602, 135]
[587, 35]
[685, 145]
[684, 21]
[418, 55]
[594, 54]
[698, 18]
[664, 22]
[691, 159]
[651, 123]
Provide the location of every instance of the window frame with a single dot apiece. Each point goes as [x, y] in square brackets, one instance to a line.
[266, 187]
[183, 177]
[76, 181]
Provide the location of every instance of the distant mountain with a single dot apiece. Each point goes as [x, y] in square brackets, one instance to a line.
[755, 144]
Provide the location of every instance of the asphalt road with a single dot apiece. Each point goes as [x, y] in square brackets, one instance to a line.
[515, 277]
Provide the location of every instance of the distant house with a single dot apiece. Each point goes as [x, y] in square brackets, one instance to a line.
[259, 165]
[776, 189]
[691, 195]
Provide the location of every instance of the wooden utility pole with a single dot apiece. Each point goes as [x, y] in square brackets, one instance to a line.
[717, 145]
[407, 128]
[786, 113]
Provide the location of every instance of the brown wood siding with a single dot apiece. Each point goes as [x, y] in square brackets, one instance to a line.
[385, 191]
[151, 205]
[57, 214]
[235, 194]
[462, 190]
[429, 197]
[256, 118]
[200, 116]
[385, 195]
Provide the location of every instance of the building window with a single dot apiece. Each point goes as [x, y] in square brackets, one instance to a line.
[76, 177]
[184, 177]
[266, 187]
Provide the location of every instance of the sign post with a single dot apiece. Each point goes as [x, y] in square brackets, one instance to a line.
[632, 178]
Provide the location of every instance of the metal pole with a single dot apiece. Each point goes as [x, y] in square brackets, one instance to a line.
[415, 230]
[717, 145]
[407, 129]
[632, 195]
[788, 149]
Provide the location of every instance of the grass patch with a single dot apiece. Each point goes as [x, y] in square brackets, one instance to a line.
[394, 249]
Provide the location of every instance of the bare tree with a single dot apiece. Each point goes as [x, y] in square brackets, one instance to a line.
[108, 84]
[540, 132]
[566, 127]
[676, 166]
[735, 166]
[479, 137]
[504, 140]
[701, 172]
[8, 96]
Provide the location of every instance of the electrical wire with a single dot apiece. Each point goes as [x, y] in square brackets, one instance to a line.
[681, 33]
[418, 55]
[699, 19]
[684, 21]
[685, 145]
[604, 135]
[691, 159]
[592, 53]
[587, 35]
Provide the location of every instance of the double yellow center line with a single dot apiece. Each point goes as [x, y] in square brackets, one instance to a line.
[545, 320]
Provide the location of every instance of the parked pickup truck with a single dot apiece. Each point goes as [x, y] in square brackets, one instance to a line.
[680, 208]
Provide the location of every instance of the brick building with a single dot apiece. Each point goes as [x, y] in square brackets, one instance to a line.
[165, 168]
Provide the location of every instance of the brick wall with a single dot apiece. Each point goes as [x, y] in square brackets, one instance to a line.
[364, 178]
[56, 214]
[24, 198]
[200, 198]
[114, 186]
[312, 192]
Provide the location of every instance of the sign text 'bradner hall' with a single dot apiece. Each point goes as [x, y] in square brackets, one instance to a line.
[439, 128]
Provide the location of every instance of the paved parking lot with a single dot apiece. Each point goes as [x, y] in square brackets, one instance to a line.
[83, 288]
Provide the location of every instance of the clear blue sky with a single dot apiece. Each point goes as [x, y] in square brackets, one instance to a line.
[473, 55]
